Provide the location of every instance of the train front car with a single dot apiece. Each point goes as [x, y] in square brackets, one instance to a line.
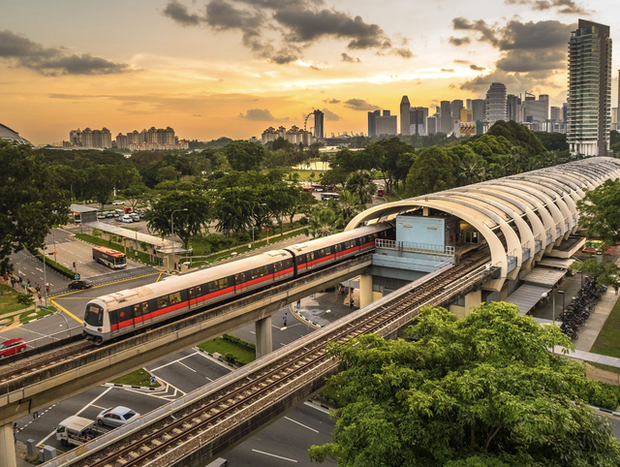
[96, 321]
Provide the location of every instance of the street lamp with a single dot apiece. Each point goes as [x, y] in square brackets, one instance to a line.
[561, 292]
[545, 295]
[172, 226]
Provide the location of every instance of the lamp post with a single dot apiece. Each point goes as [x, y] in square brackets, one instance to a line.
[561, 292]
[172, 226]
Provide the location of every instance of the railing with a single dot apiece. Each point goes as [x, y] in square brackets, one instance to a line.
[414, 247]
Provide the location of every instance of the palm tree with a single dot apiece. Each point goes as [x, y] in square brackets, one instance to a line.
[322, 222]
[472, 169]
[361, 184]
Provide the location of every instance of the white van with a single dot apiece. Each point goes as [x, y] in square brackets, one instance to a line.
[76, 431]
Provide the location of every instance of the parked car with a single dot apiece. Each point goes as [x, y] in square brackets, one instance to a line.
[118, 202]
[127, 220]
[134, 216]
[81, 284]
[109, 215]
[11, 347]
[100, 215]
[116, 416]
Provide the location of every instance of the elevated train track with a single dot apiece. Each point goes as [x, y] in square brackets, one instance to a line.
[203, 428]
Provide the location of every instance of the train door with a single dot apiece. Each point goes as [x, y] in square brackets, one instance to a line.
[141, 315]
[194, 294]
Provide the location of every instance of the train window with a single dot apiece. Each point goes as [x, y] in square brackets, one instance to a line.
[145, 308]
[194, 292]
[277, 267]
[163, 302]
[213, 286]
[94, 315]
[301, 259]
[337, 248]
[259, 272]
[240, 278]
[175, 298]
[137, 310]
[223, 283]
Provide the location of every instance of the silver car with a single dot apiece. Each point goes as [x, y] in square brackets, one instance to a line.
[117, 416]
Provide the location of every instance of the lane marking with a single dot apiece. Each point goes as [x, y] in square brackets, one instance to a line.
[67, 311]
[173, 362]
[209, 379]
[301, 424]
[160, 274]
[98, 407]
[214, 360]
[108, 283]
[274, 455]
[181, 363]
[77, 298]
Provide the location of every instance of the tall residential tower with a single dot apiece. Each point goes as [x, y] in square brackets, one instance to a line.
[589, 89]
[495, 103]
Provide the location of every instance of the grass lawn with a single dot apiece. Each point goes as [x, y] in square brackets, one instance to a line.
[8, 300]
[139, 377]
[25, 317]
[608, 340]
[223, 347]
[304, 175]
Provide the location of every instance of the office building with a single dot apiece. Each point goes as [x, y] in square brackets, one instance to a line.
[614, 118]
[445, 123]
[431, 125]
[468, 104]
[478, 109]
[405, 107]
[495, 103]
[533, 110]
[565, 112]
[589, 89]
[555, 114]
[466, 116]
[387, 124]
[455, 109]
[319, 124]
[513, 104]
[372, 123]
[417, 117]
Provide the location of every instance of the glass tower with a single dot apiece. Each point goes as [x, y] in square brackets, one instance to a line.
[589, 89]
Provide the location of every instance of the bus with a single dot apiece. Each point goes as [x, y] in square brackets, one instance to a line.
[109, 257]
[328, 196]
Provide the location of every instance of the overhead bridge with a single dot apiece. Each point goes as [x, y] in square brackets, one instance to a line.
[202, 425]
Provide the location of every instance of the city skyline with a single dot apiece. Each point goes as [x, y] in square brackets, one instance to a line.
[223, 68]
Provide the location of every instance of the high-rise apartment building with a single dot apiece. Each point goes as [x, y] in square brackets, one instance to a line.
[468, 104]
[417, 117]
[477, 107]
[589, 89]
[555, 114]
[495, 103]
[513, 103]
[565, 112]
[87, 138]
[405, 120]
[372, 123]
[445, 123]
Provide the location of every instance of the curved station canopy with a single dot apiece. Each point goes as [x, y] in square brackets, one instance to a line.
[521, 217]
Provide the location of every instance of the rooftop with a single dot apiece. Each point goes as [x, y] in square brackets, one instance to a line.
[12, 136]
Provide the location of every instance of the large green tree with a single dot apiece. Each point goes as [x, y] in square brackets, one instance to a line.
[30, 201]
[243, 155]
[600, 212]
[433, 170]
[193, 213]
[481, 391]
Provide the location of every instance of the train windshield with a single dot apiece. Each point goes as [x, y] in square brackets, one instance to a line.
[94, 315]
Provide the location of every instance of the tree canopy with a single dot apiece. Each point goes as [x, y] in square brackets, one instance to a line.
[480, 391]
[31, 201]
[600, 212]
[243, 155]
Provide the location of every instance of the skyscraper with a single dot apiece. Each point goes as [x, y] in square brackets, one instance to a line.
[512, 107]
[477, 106]
[405, 106]
[445, 123]
[455, 108]
[589, 89]
[319, 124]
[496, 103]
[372, 123]
[418, 116]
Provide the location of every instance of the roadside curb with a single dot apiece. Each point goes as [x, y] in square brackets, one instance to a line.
[610, 412]
[218, 358]
[301, 317]
[141, 388]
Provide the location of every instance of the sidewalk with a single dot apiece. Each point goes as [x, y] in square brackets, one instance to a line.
[321, 309]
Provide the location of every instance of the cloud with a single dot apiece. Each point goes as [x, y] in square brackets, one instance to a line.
[461, 62]
[568, 7]
[179, 13]
[197, 115]
[330, 116]
[458, 41]
[521, 81]
[332, 101]
[258, 115]
[52, 61]
[533, 50]
[447, 70]
[476, 67]
[296, 24]
[360, 104]
[347, 58]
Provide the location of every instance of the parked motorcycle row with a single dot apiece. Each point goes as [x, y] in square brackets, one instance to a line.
[580, 307]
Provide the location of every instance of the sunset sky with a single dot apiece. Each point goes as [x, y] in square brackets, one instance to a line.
[234, 67]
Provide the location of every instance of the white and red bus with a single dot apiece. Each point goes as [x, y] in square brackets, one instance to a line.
[109, 257]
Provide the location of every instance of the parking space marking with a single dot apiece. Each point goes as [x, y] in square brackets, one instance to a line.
[301, 424]
[178, 360]
[95, 400]
[181, 363]
[274, 455]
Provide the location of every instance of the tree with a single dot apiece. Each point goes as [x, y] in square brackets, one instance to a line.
[607, 274]
[31, 202]
[244, 156]
[433, 170]
[322, 222]
[193, 212]
[481, 391]
[600, 212]
[136, 194]
[360, 183]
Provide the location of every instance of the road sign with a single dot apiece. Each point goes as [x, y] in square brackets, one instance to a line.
[152, 379]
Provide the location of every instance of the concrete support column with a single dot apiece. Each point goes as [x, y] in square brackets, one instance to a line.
[472, 300]
[365, 290]
[7, 446]
[264, 342]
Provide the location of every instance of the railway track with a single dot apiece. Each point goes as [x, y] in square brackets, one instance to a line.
[157, 444]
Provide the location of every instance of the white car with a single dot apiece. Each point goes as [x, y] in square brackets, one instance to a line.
[117, 416]
[127, 220]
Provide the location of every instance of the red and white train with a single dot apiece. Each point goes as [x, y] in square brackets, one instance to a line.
[124, 312]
